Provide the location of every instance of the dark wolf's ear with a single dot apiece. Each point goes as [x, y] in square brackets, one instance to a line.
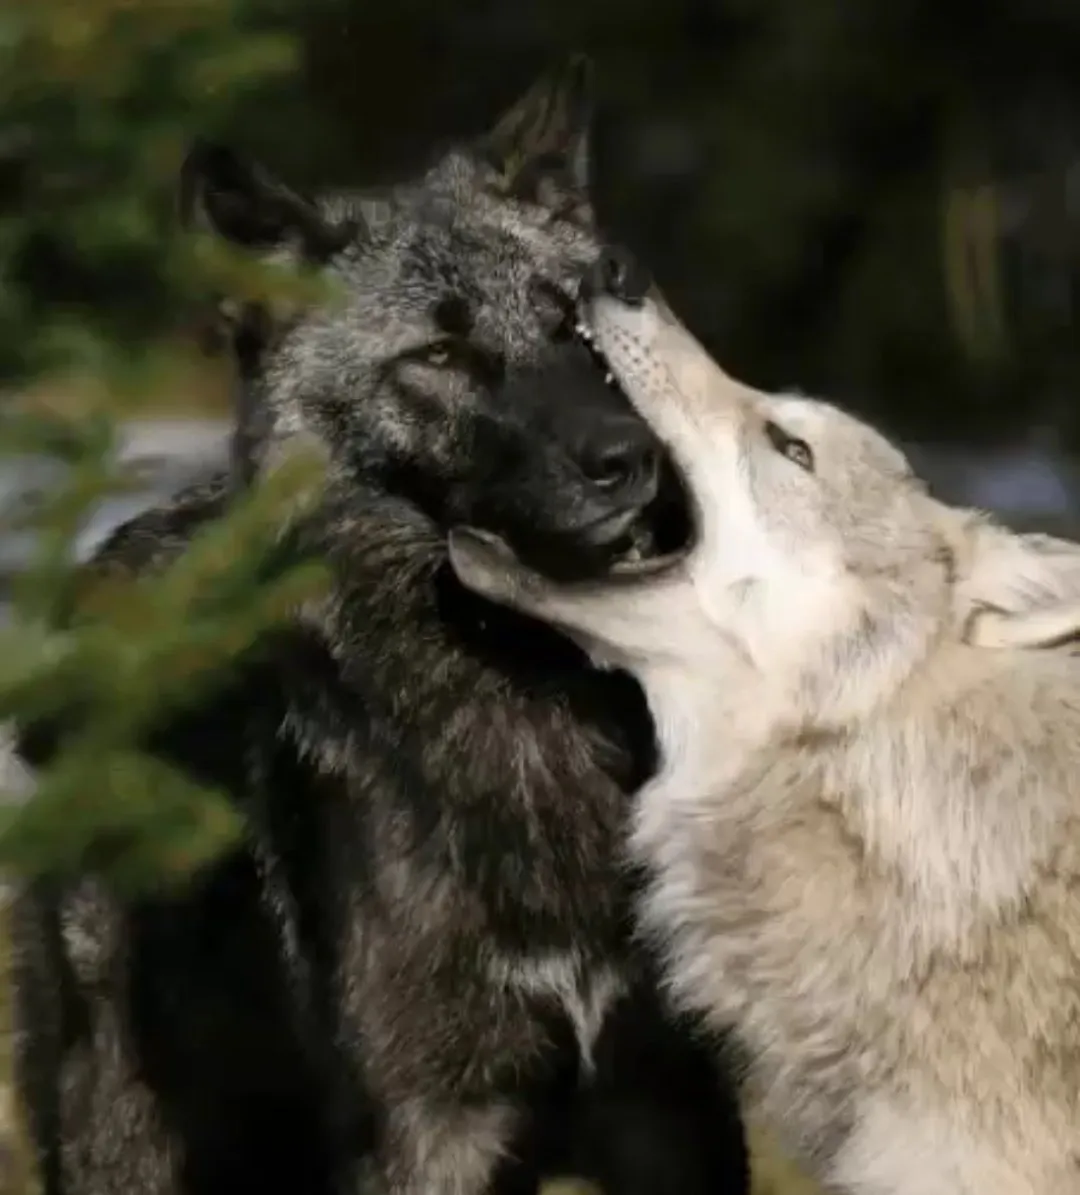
[540, 148]
[226, 194]
[223, 192]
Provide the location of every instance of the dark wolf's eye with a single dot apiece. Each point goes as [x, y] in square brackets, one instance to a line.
[790, 446]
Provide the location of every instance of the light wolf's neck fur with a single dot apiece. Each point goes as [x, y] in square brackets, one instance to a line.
[878, 910]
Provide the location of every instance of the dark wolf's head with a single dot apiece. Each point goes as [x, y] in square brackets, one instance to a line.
[450, 374]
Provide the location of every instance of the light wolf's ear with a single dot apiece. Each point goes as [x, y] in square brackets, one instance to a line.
[539, 149]
[1018, 590]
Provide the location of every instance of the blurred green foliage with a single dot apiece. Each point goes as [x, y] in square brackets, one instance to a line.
[98, 100]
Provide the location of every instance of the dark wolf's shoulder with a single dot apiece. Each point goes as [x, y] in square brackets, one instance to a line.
[159, 534]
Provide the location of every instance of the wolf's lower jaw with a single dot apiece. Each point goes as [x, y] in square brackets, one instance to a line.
[658, 539]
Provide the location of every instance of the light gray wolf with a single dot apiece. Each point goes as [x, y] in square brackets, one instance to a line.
[863, 839]
[426, 933]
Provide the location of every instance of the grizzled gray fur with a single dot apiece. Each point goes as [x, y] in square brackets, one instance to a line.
[417, 976]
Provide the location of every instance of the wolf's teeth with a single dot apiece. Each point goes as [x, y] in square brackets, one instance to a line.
[609, 377]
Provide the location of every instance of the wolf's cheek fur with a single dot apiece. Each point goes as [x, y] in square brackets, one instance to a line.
[430, 395]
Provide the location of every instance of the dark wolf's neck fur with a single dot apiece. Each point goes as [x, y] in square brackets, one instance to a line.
[497, 718]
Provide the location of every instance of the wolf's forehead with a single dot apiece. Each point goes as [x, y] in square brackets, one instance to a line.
[483, 265]
[497, 254]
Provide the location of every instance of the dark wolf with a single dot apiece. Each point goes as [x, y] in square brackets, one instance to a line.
[421, 963]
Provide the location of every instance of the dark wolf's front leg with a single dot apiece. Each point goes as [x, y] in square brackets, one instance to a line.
[113, 1141]
[159, 1053]
[94, 1124]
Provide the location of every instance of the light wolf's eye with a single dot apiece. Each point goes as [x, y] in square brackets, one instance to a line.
[790, 446]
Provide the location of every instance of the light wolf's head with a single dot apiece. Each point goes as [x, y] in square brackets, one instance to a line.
[819, 559]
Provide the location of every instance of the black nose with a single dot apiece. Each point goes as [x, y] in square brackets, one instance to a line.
[622, 457]
[617, 272]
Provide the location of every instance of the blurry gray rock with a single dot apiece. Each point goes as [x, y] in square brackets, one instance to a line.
[167, 454]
